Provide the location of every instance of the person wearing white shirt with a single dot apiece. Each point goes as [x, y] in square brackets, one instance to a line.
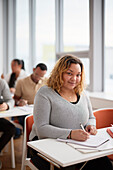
[18, 72]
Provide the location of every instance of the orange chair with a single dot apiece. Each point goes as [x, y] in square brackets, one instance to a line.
[28, 127]
[104, 118]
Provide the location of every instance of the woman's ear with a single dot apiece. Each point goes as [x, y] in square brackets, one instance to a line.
[33, 69]
[20, 66]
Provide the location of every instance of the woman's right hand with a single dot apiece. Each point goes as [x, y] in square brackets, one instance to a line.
[22, 102]
[12, 90]
[79, 135]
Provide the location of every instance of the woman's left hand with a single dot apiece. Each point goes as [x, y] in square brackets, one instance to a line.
[91, 130]
[3, 107]
[12, 90]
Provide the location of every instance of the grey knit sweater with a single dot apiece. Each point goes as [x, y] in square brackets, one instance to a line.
[55, 117]
[5, 93]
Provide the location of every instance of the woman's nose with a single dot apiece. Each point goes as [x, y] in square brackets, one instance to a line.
[74, 78]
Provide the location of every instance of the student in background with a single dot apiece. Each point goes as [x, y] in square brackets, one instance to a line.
[18, 72]
[60, 107]
[27, 88]
[6, 102]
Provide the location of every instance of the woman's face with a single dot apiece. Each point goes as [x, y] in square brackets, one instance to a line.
[15, 67]
[72, 76]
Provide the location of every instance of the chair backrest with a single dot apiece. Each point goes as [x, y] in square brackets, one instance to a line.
[28, 127]
[104, 117]
[29, 123]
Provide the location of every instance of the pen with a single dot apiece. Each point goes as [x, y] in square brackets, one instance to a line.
[82, 127]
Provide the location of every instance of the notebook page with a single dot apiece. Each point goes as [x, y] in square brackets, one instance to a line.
[26, 108]
[84, 149]
[94, 140]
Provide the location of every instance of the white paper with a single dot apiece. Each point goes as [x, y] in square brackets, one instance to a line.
[15, 112]
[94, 140]
[84, 149]
[26, 108]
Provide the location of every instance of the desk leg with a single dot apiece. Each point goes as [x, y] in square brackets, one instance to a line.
[12, 153]
[52, 164]
[51, 167]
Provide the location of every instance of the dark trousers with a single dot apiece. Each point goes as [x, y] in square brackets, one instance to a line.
[97, 164]
[8, 130]
[21, 120]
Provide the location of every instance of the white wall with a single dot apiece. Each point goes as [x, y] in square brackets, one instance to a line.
[101, 100]
[1, 36]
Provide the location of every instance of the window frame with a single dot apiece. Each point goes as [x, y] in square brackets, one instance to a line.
[96, 8]
[95, 53]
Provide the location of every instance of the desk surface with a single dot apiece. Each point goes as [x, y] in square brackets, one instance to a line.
[16, 111]
[63, 154]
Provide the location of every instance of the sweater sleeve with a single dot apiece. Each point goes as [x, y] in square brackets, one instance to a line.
[5, 93]
[42, 111]
[92, 120]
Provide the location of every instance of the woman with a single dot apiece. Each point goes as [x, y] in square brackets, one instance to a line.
[18, 72]
[60, 108]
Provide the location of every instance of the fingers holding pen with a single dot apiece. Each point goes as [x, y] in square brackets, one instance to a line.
[79, 135]
[84, 135]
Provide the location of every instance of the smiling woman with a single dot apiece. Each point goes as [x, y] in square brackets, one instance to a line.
[60, 107]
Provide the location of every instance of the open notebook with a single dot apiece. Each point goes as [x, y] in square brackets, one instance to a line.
[99, 142]
[84, 149]
[94, 141]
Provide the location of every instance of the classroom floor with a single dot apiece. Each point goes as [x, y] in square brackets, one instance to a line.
[6, 155]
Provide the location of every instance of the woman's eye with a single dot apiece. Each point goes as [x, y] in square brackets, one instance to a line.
[69, 73]
[78, 75]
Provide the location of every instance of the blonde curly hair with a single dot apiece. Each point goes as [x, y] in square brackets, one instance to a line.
[55, 80]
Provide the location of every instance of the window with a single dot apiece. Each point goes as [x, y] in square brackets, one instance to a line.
[45, 32]
[76, 31]
[44, 28]
[87, 69]
[22, 31]
[76, 25]
[108, 46]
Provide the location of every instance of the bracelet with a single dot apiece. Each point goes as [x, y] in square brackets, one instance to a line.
[70, 134]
